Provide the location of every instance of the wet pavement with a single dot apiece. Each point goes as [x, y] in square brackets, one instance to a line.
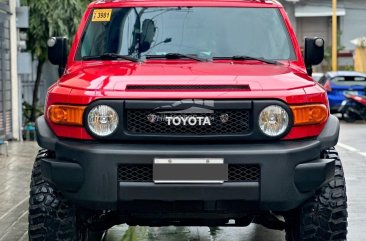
[15, 173]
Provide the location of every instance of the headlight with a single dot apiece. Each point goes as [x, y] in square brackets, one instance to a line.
[274, 120]
[103, 120]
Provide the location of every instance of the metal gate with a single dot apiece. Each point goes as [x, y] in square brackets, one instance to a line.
[5, 75]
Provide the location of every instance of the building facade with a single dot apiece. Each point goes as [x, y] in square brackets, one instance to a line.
[314, 18]
[9, 86]
[5, 72]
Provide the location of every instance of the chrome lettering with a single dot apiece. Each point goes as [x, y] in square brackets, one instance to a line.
[188, 120]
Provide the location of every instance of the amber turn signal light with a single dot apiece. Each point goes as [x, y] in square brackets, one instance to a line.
[66, 114]
[309, 114]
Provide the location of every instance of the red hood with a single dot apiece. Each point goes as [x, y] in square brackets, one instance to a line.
[115, 76]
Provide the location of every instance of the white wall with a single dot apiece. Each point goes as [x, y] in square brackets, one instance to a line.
[14, 73]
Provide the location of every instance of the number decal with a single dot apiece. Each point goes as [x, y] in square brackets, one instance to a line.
[102, 15]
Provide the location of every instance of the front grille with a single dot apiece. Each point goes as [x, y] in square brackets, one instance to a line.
[244, 173]
[223, 122]
[135, 173]
[144, 173]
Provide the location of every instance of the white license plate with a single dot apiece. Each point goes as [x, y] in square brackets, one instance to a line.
[190, 170]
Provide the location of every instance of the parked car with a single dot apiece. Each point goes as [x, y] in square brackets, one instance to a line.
[337, 84]
[188, 113]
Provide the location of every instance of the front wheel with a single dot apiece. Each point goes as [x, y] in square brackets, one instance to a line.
[51, 216]
[324, 217]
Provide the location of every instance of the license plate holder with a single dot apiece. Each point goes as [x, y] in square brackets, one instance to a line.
[190, 170]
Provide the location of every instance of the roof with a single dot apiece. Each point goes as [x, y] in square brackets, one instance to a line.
[345, 73]
[317, 11]
[172, 3]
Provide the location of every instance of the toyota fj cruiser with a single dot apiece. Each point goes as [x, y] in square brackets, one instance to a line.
[187, 113]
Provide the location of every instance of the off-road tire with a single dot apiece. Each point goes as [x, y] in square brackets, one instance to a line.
[324, 217]
[51, 216]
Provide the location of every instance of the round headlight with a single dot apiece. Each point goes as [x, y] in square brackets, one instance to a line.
[103, 120]
[274, 120]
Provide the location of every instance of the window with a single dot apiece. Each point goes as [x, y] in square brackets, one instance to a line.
[201, 31]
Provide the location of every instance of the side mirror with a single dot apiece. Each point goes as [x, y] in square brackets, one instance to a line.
[57, 52]
[314, 53]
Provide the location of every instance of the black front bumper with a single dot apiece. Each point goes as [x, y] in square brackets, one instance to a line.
[86, 172]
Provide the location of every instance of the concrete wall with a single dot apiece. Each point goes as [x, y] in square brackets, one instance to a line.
[352, 25]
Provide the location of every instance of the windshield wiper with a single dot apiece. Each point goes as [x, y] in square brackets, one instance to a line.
[111, 56]
[176, 56]
[244, 57]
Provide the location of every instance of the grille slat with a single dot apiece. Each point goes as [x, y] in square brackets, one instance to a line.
[223, 122]
[144, 173]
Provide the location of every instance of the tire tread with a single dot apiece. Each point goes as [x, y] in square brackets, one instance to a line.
[324, 217]
[51, 217]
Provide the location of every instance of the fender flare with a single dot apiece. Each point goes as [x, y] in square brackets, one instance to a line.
[330, 134]
[45, 137]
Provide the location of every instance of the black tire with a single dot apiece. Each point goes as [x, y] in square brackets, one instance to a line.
[324, 217]
[51, 216]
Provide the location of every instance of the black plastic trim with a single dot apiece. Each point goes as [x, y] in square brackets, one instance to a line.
[92, 166]
[66, 176]
[328, 138]
[249, 191]
[172, 105]
[312, 175]
[44, 135]
[188, 87]
[255, 107]
[330, 134]
[100, 189]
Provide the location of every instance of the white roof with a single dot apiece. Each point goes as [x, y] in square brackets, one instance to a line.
[317, 11]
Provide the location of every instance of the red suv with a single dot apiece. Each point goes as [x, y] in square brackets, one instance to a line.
[186, 113]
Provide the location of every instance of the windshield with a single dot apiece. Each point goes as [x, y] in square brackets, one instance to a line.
[349, 80]
[197, 31]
